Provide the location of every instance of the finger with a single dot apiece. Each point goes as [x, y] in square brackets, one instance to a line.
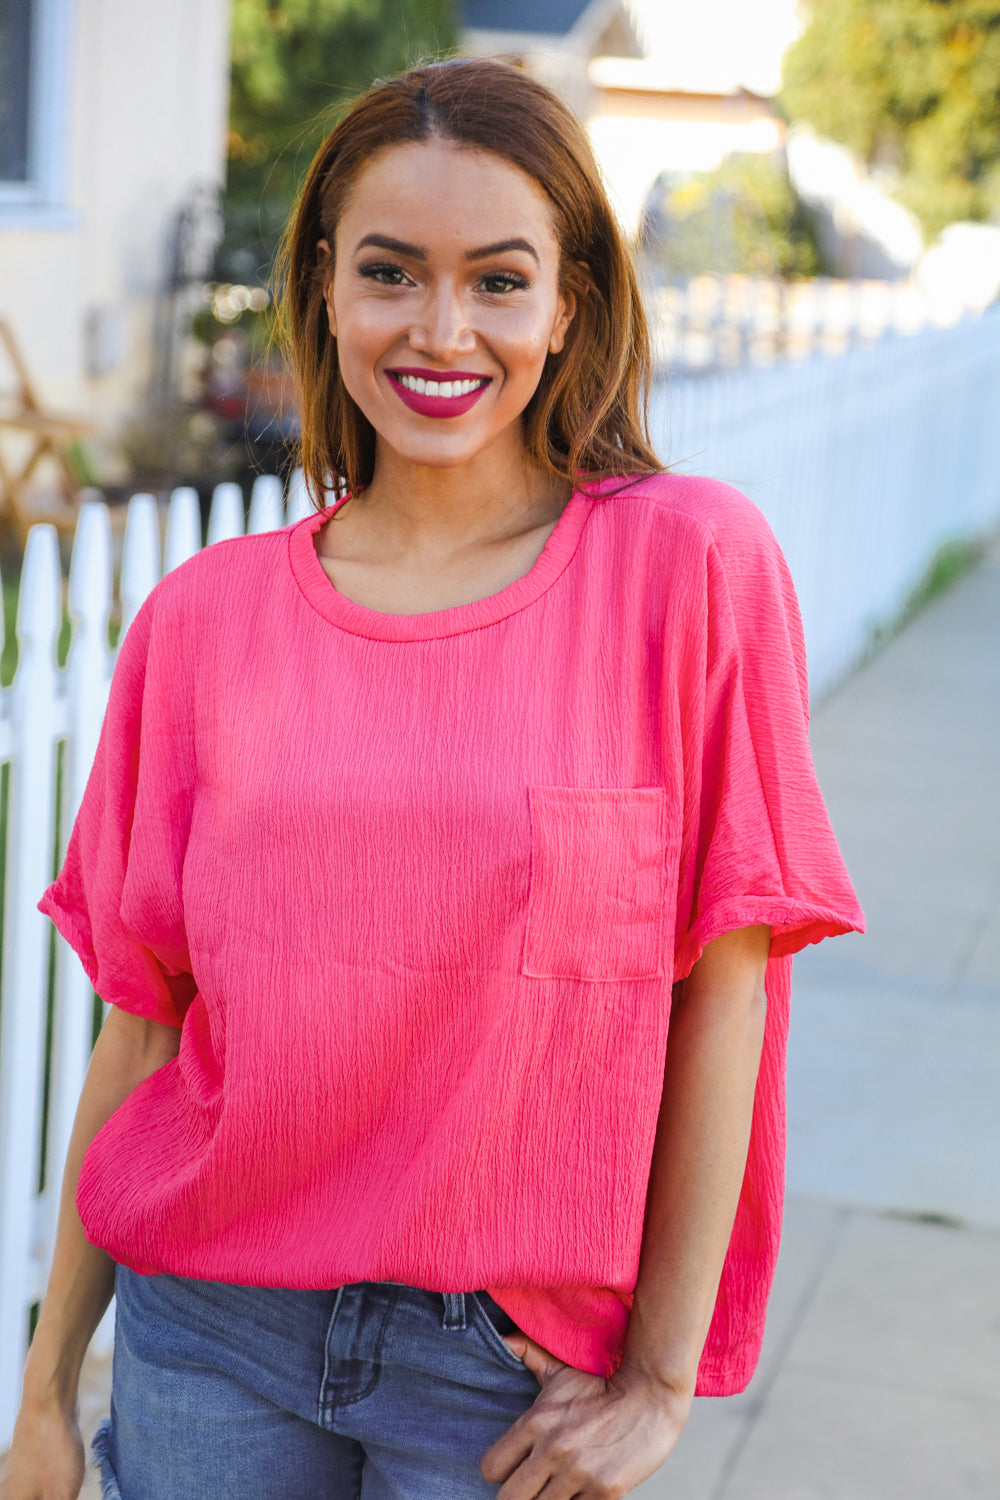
[561, 1489]
[500, 1461]
[529, 1481]
[539, 1361]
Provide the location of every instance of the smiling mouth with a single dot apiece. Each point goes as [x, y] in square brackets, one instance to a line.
[447, 389]
[434, 394]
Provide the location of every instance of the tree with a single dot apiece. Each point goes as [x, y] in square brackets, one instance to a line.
[295, 65]
[912, 86]
[744, 217]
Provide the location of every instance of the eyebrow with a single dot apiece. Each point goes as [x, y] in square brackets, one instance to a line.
[418, 252]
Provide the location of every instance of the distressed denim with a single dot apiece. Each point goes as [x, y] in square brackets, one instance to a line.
[372, 1390]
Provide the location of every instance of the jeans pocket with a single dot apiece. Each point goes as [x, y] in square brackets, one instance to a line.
[492, 1323]
[598, 874]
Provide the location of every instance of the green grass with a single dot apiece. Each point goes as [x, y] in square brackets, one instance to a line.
[949, 565]
[8, 667]
[8, 661]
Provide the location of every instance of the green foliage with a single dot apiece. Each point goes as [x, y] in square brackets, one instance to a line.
[295, 64]
[8, 661]
[912, 85]
[949, 565]
[744, 217]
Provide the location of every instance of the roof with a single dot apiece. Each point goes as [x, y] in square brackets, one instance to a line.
[546, 17]
[706, 76]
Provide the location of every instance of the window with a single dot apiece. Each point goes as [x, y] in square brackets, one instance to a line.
[15, 64]
[34, 119]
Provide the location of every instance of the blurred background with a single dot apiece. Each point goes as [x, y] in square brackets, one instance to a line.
[793, 184]
[813, 194]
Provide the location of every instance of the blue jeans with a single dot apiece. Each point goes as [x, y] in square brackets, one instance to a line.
[373, 1390]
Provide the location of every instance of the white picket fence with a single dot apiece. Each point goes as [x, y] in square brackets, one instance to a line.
[712, 322]
[864, 464]
[46, 706]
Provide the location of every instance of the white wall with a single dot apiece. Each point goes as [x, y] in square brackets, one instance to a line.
[145, 121]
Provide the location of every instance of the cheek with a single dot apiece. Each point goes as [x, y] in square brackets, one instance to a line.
[360, 339]
[525, 341]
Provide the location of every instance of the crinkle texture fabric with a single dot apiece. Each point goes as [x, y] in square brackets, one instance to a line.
[417, 888]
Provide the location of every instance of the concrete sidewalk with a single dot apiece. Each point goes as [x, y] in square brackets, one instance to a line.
[880, 1378]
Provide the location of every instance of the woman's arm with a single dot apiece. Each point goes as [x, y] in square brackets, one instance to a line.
[46, 1456]
[589, 1437]
[702, 1136]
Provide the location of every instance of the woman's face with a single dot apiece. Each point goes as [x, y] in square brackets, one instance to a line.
[444, 300]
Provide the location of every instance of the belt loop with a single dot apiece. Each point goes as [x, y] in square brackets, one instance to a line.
[454, 1310]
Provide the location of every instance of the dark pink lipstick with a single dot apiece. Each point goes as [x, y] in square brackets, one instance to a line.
[434, 404]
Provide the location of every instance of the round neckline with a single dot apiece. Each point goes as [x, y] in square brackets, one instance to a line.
[358, 619]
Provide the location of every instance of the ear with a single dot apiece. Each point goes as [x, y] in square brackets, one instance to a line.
[325, 261]
[564, 317]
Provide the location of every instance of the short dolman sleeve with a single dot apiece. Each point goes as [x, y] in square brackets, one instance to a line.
[757, 848]
[757, 845]
[117, 900]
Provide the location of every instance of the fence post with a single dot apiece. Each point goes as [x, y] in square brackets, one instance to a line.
[140, 556]
[299, 504]
[87, 675]
[183, 527]
[30, 803]
[225, 519]
[267, 504]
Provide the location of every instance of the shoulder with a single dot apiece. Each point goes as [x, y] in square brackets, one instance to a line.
[710, 548]
[717, 511]
[750, 597]
[223, 565]
[697, 522]
[211, 602]
[224, 579]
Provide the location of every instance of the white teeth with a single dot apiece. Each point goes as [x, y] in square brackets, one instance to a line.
[443, 388]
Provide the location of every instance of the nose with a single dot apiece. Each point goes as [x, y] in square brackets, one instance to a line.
[442, 328]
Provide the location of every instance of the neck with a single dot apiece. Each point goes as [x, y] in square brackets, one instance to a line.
[495, 495]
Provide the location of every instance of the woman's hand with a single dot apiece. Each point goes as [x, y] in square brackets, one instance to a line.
[46, 1459]
[585, 1436]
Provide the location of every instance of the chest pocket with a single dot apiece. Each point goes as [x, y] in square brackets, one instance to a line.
[598, 862]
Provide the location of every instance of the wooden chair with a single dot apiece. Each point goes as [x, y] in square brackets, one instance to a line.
[45, 435]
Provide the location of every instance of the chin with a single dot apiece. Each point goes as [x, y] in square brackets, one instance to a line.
[441, 452]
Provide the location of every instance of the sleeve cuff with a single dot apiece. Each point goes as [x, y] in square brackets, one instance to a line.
[794, 925]
[129, 998]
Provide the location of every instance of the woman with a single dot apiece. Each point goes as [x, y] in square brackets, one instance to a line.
[410, 828]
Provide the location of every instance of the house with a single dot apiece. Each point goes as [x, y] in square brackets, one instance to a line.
[112, 123]
[554, 40]
[681, 110]
[647, 119]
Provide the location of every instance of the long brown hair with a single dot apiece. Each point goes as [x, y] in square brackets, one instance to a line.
[588, 415]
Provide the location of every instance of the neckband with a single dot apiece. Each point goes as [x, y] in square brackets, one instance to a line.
[359, 620]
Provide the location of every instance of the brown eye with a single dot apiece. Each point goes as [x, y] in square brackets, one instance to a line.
[500, 282]
[384, 274]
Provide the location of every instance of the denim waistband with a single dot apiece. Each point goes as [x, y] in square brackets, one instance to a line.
[265, 1383]
[455, 1317]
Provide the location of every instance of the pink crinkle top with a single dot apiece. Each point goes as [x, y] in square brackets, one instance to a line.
[416, 889]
